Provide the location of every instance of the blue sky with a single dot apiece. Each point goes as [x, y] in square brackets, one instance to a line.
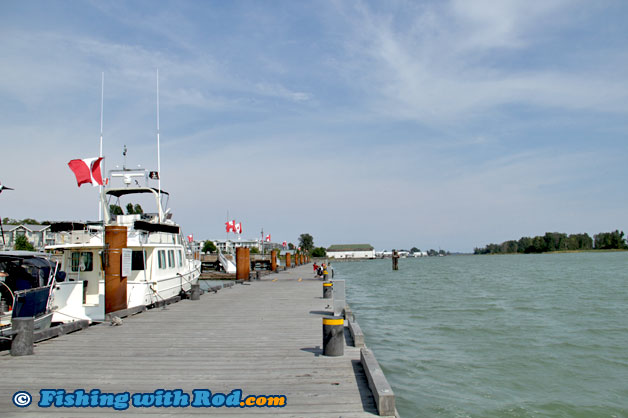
[432, 124]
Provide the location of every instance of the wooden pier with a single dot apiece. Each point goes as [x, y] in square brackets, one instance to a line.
[263, 337]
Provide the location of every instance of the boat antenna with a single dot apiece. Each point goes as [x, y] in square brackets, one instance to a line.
[158, 155]
[2, 230]
[102, 102]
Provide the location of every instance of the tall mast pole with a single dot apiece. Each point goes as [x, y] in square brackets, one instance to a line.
[102, 101]
[158, 155]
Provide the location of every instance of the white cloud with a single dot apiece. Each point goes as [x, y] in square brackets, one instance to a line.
[277, 90]
[444, 66]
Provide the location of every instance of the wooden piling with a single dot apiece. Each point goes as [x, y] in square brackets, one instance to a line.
[288, 260]
[243, 263]
[115, 284]
[273, 260]
[395, 260]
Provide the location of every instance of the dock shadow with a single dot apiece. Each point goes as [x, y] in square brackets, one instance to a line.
[368, 401]
[324, 313]
[348, 338]
[317, 351]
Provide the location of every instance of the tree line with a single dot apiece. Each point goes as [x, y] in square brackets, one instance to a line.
[556, 241]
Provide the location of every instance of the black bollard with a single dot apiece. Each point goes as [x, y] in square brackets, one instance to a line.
[22, 344]
[258, 274]
[195, 292]
[333, 336]
[327, 290]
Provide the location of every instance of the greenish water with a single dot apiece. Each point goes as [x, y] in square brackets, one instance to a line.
[498, 336]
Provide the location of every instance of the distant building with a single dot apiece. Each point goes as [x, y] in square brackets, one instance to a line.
[38, 235]
[351, 251]
[229, 246]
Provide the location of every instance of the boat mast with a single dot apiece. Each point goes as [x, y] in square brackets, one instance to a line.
[158, 155]
[102, 100]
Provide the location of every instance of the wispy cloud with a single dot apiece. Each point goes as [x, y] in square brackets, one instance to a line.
[452, 62]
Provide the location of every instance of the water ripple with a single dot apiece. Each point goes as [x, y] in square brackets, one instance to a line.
[507, 336]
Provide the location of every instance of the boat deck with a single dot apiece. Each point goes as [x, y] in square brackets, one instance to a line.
[264, 338]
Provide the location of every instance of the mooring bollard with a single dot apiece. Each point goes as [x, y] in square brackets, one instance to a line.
[333, 336]
[258, 274]
[327, 290]
[195, 292]
[22, 343]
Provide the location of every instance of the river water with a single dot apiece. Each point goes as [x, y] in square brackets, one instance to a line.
[498, 336]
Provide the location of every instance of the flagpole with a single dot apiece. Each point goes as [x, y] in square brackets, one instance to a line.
[158, 155]
[102, 102]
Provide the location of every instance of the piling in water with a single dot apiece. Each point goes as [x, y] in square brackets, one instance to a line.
[395, 260]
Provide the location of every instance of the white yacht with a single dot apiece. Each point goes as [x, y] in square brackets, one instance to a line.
[161, 265]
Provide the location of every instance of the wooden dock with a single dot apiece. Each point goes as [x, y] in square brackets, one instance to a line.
[264, 338]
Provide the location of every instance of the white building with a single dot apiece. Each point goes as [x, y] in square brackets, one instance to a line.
[38, 235]
[351, 251]
[228, 246]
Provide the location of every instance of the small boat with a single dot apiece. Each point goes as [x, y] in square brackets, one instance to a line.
[26, 282]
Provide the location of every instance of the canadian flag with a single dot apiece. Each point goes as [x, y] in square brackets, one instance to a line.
[190, 238]
[87, 171]
[268, 238]
[238, 228]
[284, 244]
[230, 226]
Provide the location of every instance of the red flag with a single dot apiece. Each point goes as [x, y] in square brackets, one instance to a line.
[190, 238]
[284, 244]
[87, 171]
[230, 226]
[268, 238]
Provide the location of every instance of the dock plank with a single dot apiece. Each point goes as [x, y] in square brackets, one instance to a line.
[264, 338]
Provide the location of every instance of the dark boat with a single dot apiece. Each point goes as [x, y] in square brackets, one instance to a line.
[26, 282]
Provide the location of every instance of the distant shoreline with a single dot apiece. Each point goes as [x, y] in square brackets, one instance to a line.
[616, 250]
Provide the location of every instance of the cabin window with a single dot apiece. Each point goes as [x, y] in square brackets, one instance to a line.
[180, 258]
[171, 258]
[161, 259]
[137, 260]
[83, 261]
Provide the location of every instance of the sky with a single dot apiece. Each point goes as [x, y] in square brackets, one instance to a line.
[428, 124]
